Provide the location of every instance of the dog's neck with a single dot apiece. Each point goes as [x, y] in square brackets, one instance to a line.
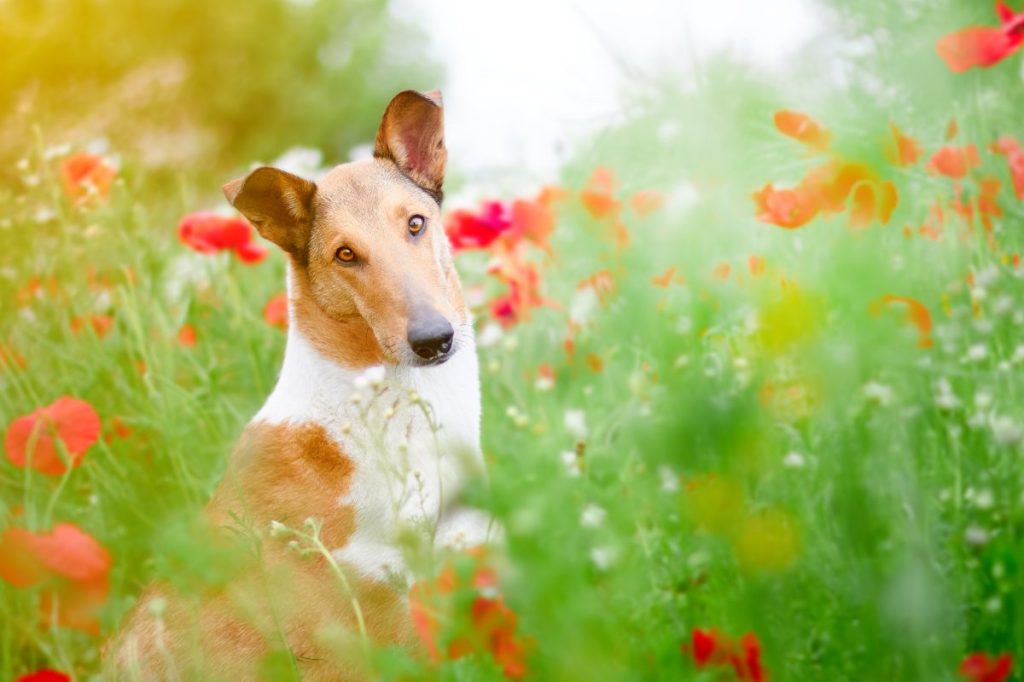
[315, 387]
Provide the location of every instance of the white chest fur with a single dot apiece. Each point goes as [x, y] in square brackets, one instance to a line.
[413, 436]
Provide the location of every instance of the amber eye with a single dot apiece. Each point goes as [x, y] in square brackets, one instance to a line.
[417, 224]
[345, 256]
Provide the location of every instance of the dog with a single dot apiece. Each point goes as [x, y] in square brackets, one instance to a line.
[357, 459]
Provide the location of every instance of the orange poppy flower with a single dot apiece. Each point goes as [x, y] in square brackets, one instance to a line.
[275, 312]
[101, 324]
[917, 315]
[598, 197]
[85, 176]
[665, 279]
[952, 128]
[1011, 149]
[954, 162]
[902, 150]
[871, 201]
[721, 271]
[552, 194]
[788, 208]
[803, 128]
[69, 565]
[523, 293]
[533, 221]
[72, 421]
[491, 624]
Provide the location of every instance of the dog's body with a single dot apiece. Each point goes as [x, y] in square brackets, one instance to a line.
[360, 452]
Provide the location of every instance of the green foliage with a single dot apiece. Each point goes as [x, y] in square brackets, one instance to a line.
[770, 453]
[191, 83]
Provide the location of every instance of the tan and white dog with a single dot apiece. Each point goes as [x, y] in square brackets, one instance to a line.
[364, 443]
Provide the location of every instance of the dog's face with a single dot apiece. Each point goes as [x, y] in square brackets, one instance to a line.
[366, 242]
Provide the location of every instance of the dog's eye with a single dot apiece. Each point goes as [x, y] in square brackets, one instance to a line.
[417, 224]
[345, 256]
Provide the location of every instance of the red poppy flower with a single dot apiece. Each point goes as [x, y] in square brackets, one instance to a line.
[491, 623]
[69, 566]
[74, 422]
[211, 233]
[1011, 149]
[954, 162]
[275, 312]
[980, 667]
[803, 128]
[45, 675]
[187, 335]
[117, 428]
[917, 315]
[598, 197]
[85, 176]
[711, 648]
[983, 46]
[468, 230]
[902, 150]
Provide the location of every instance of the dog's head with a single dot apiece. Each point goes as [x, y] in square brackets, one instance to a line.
[369, 260]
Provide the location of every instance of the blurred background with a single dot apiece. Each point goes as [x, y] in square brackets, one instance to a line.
[746, 280]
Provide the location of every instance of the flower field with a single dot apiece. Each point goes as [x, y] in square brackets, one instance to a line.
[752, 369]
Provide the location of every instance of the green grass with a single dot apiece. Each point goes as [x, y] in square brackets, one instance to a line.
[757, 457]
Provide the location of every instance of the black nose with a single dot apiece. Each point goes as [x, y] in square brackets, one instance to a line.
[431, 337]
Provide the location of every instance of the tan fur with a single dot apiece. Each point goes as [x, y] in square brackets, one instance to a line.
[287, 474]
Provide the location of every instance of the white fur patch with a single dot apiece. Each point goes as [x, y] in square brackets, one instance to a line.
[413, 435]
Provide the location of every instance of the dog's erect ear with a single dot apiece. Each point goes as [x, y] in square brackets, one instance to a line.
[412, 135]
[278, 204]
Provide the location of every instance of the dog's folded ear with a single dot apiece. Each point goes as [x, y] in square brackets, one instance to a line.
[278, 204]
[411, 134]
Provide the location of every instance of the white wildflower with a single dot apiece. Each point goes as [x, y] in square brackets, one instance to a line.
[878, 392]
[572, 463]
[592, 516]
[576, 424]
[669, 479]
[975, 536]
[794, 460]
[490, 335]
[976, 353]
[583, 305]
[1006, 430]
[603, 557]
